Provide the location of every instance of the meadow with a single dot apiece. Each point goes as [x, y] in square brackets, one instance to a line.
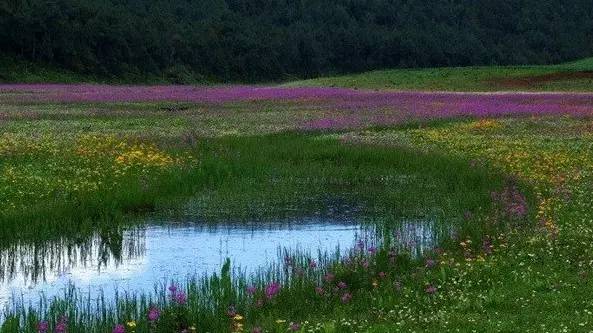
[506, 177]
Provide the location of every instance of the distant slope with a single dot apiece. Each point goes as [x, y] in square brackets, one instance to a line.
[573, 76]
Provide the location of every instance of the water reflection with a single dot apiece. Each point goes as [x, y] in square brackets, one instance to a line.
[136, 259]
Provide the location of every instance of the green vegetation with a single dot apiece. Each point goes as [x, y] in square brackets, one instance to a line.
[573, 76]
[245, 41]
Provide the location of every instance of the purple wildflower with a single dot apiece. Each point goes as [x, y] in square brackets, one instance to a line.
[231, 311]
[430, 289]
[42, 326]
[430, 263]
[294, 327]
[153, 314]
[251, 290]
[319, 291]
[119, 328]
[272, 290]
[180, 298]
[342, 285]
[62, 325]
[346, 298]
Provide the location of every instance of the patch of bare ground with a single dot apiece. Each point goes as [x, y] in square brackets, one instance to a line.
[534, 81]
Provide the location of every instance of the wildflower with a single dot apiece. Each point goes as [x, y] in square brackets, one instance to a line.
[153, 314]
[430, 263]
[319, 291]
[231, 311]
[329, 277]
[360, 244]
[382, 275]
[280, 321]
[251, 290]
[272, 290]
[346, 298]
[342, 285]
[375, 284]
[119, 328]
[430, 289]
[312, 264]
[256, 329]
[365, 264]
[131, 324]
[259, 303]
[42, 326]
[372, 250]
[294, 327]
[173, 289]
[397, 285]
[180, 298]
[62, 325]
[238, 317]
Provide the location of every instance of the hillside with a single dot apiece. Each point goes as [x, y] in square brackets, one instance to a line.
[572, 76]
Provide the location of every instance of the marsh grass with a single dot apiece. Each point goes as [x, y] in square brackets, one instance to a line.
[257, 178]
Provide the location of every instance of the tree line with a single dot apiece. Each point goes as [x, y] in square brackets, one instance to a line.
[263, 40]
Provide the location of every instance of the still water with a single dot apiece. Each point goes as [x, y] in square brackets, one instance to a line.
[137, 258]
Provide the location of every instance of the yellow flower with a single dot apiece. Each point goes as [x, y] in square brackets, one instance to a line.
[238, 317]
[131, 324]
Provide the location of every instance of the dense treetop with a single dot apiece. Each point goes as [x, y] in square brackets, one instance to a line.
[258, 40]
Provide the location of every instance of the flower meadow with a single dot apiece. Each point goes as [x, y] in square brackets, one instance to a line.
[507, 176]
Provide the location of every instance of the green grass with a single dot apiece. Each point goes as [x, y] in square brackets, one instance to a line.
[249, 162]
[464, 78]
[259, 177]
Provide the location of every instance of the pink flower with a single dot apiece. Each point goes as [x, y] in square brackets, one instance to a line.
[231, 312]
[312, 264]
[251, 290]
[430, 263]
[180, 298]
[342, 285]
[372, 250]
[430, 289]
[153, 314]
[319, 291]
[382, 275]
[62, 325]
[42, 326]
[272, 290]
[256, 329]
[329, 277]
[173, 289]
[294, 327]
[119, 328]
[346, 298]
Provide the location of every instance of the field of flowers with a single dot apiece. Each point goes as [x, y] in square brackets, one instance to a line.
[512, 171]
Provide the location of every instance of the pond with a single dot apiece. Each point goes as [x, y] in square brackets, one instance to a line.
[138, 258]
